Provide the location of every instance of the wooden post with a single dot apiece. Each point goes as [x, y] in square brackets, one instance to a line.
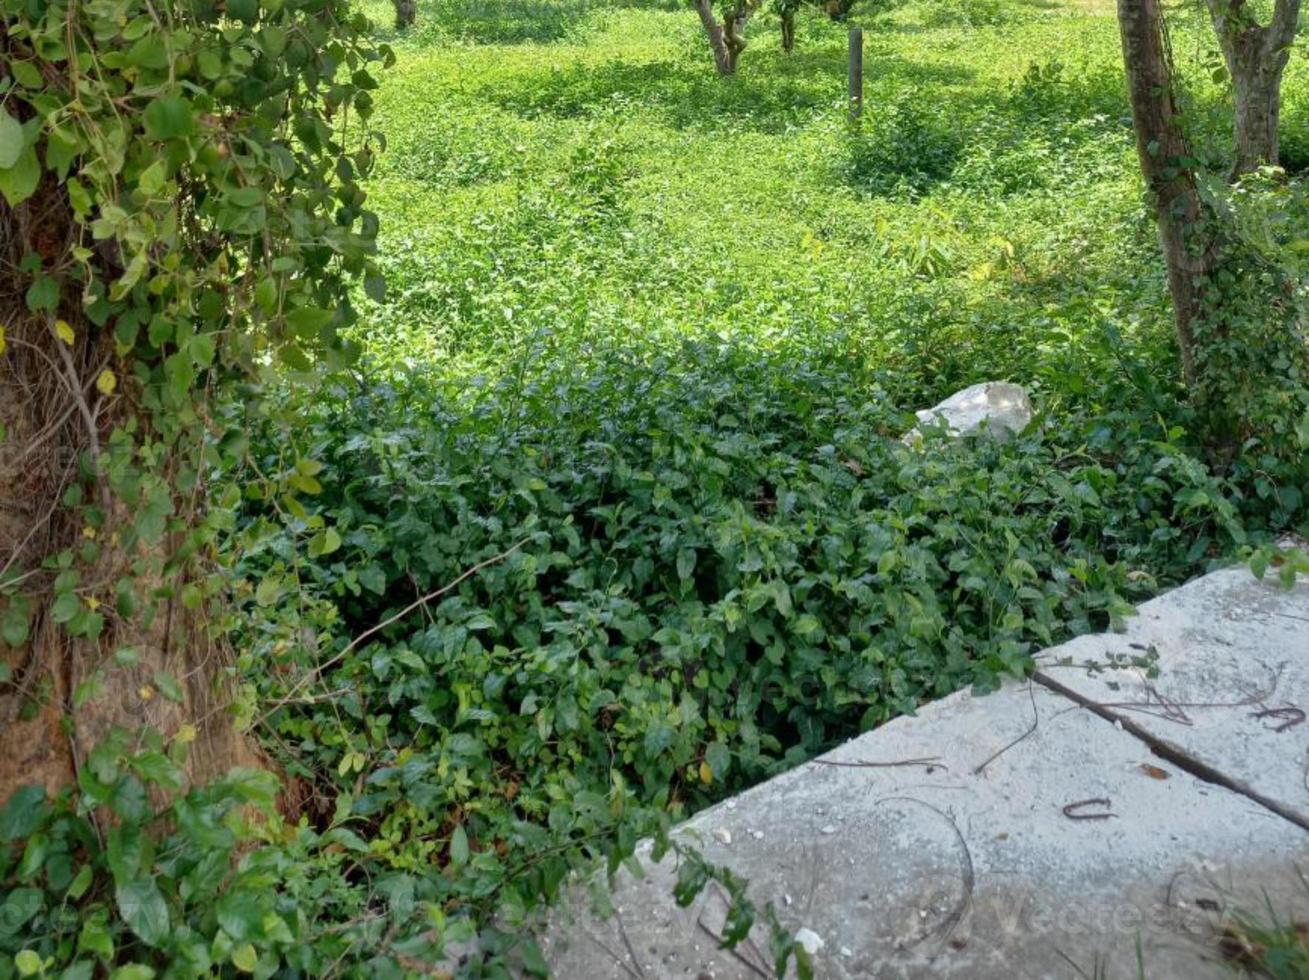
[856, 106]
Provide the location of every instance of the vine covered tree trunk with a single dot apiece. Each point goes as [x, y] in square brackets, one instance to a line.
[406, 12]
[141, 277]
[1256, 57]
[1162, 146]
[81, 664]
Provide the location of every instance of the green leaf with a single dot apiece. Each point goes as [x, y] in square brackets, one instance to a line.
[719, 758]
[307, 321]
[11, 140]
[246, 11]
[142, 906]
[19, 907]
[34, 854]
[459, 847]
[22, 813]
[169, 118]
[169, 687]
[153, 178]
[18, 181]
[14, 626]
[324, 542]
[28, 963]
[245, 959]
[133, 971]
[685, 563]
[240, 915]
[81, 970]
[126, 850]
[659, 738]
[156, 767]
[268, 591]
[65, 607]
[95, 938]
[27, 74]
[372, 578]
[80, 883]
[149, 52]
[533, 961]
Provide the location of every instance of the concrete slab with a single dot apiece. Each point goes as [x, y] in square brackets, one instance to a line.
[960, 843]
[1216, 673]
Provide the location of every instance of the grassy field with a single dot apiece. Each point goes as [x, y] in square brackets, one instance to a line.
[580, 170]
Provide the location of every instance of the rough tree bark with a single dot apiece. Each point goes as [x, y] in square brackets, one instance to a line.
[55, 423]
[1256, 56]
[1161, 146]
[726, 40]
[788, 29]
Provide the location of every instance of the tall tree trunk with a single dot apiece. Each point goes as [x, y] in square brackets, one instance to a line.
[788, 29]
[726, 40]
[406, 12]
[734, 34]
[1256, 57]
[1162, 147]
[714, 31]
[68, 688]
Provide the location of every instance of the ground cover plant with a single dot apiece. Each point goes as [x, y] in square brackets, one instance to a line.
[609, 517]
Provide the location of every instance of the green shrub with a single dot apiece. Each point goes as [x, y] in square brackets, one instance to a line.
[704, 565]
[907, 144]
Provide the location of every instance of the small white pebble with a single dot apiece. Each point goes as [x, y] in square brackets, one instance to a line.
[786, 899]
[724, 835]
[829, 828]
[757, 834]
[809, 941]
[847, 951]
[1118, 723]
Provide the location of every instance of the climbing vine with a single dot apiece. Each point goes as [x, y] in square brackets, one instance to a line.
[182, 207]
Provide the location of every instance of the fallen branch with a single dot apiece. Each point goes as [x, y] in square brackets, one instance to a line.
[930, 763]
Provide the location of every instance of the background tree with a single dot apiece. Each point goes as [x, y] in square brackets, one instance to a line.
[1256, 56]
[1236, 320]
[725, 30]
[406, 12]
[181, 209]
[837, 11]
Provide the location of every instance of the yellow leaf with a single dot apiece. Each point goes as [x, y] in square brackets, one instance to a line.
[706, 773]
[88, 532]
[92, 603]
[107, 382]
[64, 332]
[186, 734]
[3, 345]
[146, 692]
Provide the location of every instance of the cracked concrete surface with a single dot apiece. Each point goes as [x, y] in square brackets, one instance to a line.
[1099, 821]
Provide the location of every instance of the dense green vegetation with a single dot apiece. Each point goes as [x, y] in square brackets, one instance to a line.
[648, 342]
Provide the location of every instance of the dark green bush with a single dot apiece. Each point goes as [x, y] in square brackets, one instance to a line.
[906, 146]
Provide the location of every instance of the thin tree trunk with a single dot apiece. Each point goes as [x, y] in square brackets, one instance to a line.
[1162, 147]
[406, 12]
[1256, 57]
[723, 61]
[788, 30]
[726, 40]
